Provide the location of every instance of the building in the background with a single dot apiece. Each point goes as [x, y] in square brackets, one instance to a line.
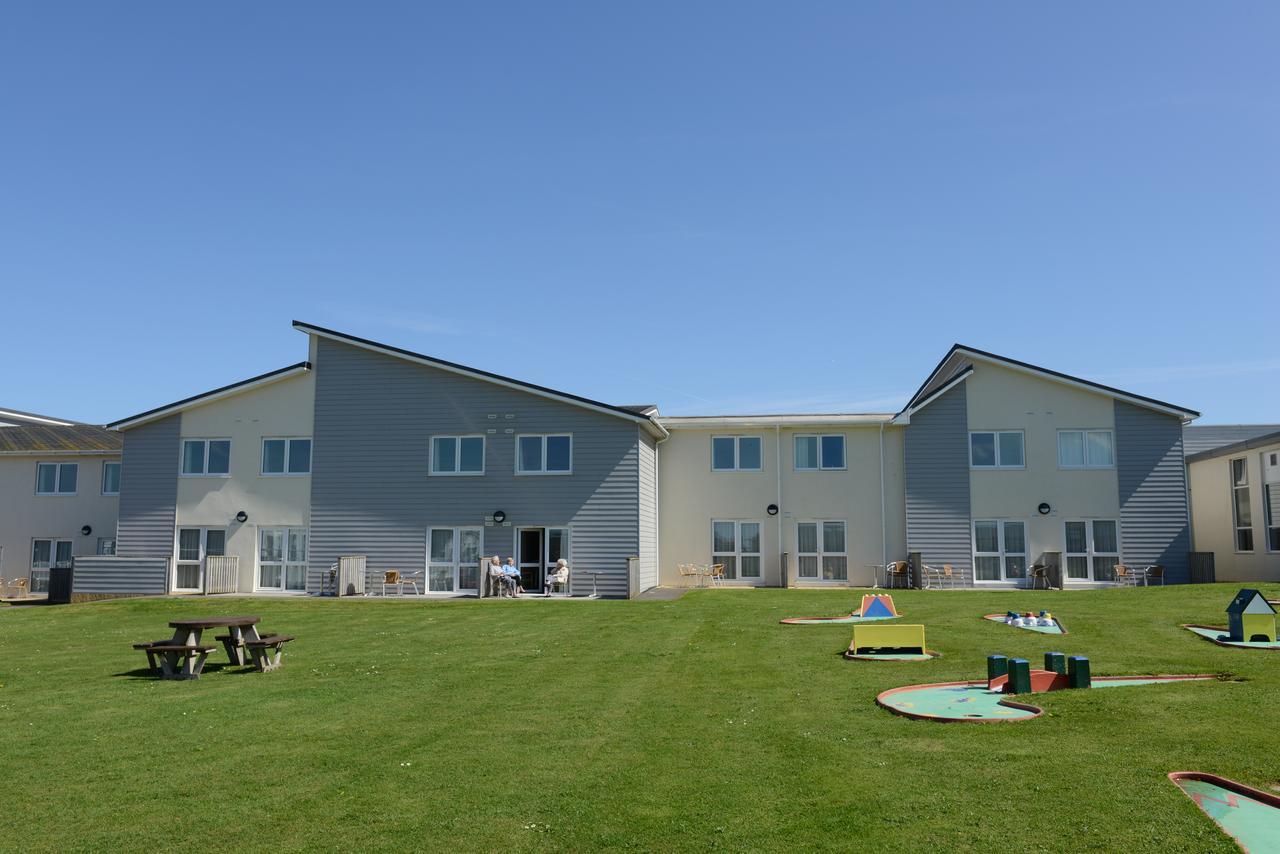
[1235, 499]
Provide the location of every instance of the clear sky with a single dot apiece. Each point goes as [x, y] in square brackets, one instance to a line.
[716, 207]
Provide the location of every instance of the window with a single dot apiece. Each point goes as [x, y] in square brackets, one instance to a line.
[736, 545]
[56, 478]
[453, 559]
[206, 457]
[996, 450]
[1271, 498]
[194, 545]
[551, 454]
[1086, 449]
[1241, 510]
[286, 456]
[821, 551]
[110, 478]
[1092, 549]
[457, 455]
[735, 453]
[819, 452]
[282, 559]
[999, 550]
[46, 554]
[106, 545]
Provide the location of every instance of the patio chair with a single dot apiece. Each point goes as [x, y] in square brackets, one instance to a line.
[688, 574]
[898, 574]
[1039, 576]
[1155, 572]
[931, 576]
[22, 585]
[497, 586]
[1124, 576]
[399, 580]
[948, 575]
[717, 575]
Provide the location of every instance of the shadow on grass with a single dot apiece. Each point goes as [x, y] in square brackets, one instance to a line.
[226, 668]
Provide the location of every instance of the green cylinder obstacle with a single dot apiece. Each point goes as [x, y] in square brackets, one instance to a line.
[1055, 662]
[1078, 672]
[997, 665]
[1019, 676]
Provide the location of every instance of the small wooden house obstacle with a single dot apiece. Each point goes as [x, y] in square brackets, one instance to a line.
[1015, 676]
[1251, 618]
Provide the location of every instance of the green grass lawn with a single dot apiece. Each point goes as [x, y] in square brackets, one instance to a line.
[651, 725]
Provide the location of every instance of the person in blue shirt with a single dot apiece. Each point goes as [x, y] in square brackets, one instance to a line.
[512, 575]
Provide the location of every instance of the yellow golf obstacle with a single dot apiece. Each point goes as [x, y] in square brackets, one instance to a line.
[873, 636]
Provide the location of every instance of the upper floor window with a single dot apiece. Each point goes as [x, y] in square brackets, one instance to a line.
[551, 454]
[1241, 508]
[56, 478]
[286, 456]
[1086, 449]
[815, 453]
[106, 545]
[735, 453]
[110, 478]
[206, 456]
[996, 449]
[457, 454]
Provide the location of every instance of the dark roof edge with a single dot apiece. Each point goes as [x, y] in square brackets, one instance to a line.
[365, 342]
[997, 357]
[1235, 447]
[197, 397]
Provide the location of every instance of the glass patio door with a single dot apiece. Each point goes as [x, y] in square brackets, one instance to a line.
[1092, 549]
[537, 550]
[282, 559]
[194, 545]
[453, 560]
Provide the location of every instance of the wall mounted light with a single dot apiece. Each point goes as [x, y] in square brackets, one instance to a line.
[499, 516]
[86, 530]
[1044, 508]
[772, 509]
[242, 517]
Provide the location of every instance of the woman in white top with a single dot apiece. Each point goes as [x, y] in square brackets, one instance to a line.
[558, 577]
[496, 577]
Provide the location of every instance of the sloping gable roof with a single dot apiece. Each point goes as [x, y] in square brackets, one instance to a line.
[61, 439]
[209, 396]
[18, 418]
[1256, 441]
[961, 357]
[629, 413]
[1250, 601]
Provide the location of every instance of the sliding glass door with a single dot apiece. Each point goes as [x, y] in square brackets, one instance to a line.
[453, 560]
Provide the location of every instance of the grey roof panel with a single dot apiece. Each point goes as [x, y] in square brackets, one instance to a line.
[78, 437]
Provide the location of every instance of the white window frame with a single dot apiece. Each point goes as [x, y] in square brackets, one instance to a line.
[455, 560]
[995, 434]
[200, 561]
[822, 554]
[543, 472]
[820, 453]
[1269, 465]
[1236, 527]
[102, 541]
[1091, 549]
[1003, 553]
[284, 563]
[457, 456]
[1084, 440]
[737, 553]
[288, 455]
[204, 456]
[57, 480]
[105, 464]
[737, 453]
[40, 583]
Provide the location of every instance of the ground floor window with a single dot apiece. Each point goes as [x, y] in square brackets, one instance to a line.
[194, 545]
[47, 553]
[999, 550]
[106, 545]
[282, 559]
[1092, 549]
[821, 551]
[1271, 497]
[736, 545]
[453, 559]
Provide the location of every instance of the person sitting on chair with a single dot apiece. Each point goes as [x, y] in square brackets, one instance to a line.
[511, 574]
[558, 577]
[497, 581]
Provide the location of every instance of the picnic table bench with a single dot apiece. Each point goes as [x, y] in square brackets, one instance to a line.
[266, 650]
[175, 660]
[183, 656]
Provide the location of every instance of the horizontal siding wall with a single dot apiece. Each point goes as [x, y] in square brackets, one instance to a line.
[103, 574]
[149, 489]
[938, 501]
[648, 478]
[1152, 477]
[372, 494]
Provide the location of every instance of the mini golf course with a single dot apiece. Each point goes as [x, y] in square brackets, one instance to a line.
[1055, 629]
[875, 606]
[891, 656]
[1218, 635]
[974, 702]
[1249, 816]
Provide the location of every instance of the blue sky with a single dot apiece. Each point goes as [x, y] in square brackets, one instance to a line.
[717, 207]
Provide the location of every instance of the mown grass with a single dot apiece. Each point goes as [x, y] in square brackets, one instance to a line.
[692, 724]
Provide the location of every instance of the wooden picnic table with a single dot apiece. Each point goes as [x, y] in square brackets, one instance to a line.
[240, 630]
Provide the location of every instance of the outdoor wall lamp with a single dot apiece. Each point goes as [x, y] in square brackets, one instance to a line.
[1044, 508]
[499, 516]
[772, 509]
[242, 517]
[86, 530]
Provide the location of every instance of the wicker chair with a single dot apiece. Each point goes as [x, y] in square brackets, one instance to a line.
[688, 575]
[717, 575]
[1155, 572]
[898, 574]
[1039, 576]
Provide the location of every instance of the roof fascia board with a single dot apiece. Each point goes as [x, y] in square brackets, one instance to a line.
[23, 416]
[906, 414]
[62, 453]
[210, 396]
[475, 373]
[700, 422]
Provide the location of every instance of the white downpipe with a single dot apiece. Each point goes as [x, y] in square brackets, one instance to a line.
[777, 450]
[884, 537]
